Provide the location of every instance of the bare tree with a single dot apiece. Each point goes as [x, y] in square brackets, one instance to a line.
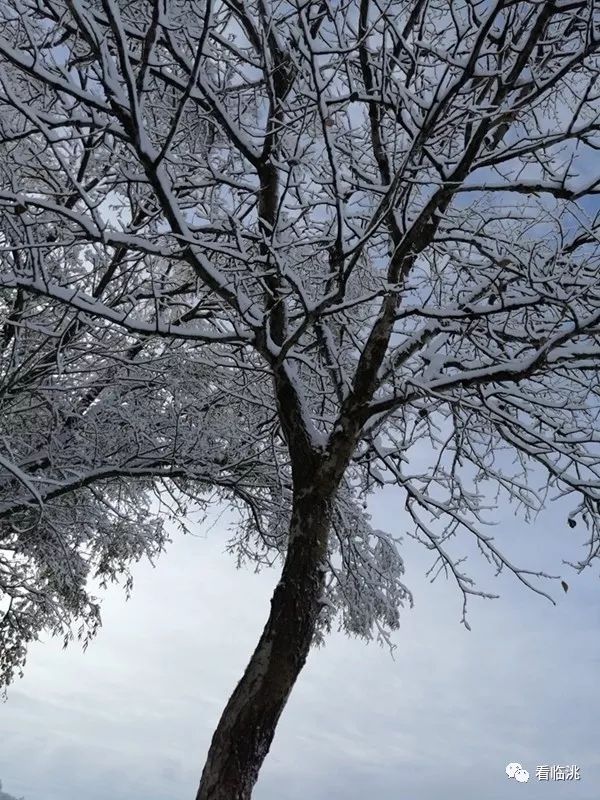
[289, 253]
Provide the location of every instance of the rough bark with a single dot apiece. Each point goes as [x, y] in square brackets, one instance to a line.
[247, 726]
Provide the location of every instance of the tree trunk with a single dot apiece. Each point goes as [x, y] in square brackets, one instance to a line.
[247, 725]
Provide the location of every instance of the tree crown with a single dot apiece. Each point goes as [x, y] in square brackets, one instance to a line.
[251, 249]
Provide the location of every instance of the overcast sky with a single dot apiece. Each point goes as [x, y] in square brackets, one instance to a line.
[132, 717]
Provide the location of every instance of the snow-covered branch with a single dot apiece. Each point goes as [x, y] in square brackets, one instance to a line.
[278, 252]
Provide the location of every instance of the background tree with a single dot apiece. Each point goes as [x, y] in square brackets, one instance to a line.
[288, 253]
[5, 795]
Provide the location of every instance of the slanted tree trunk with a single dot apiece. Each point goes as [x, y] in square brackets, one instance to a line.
[246, 728]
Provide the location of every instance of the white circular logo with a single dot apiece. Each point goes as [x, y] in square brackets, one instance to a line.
[517, 771]
[512, 768]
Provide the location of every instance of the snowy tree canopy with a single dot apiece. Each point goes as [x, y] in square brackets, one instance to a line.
[244, 243]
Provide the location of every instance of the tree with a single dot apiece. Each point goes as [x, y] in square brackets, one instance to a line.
[5, 795]
[285, 254]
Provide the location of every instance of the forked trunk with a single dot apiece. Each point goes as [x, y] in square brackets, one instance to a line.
[247, 725]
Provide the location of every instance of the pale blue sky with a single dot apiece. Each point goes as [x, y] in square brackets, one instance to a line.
[132, 717]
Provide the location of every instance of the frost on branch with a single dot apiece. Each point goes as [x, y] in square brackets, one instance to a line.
[47, 564]
[364, 590]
